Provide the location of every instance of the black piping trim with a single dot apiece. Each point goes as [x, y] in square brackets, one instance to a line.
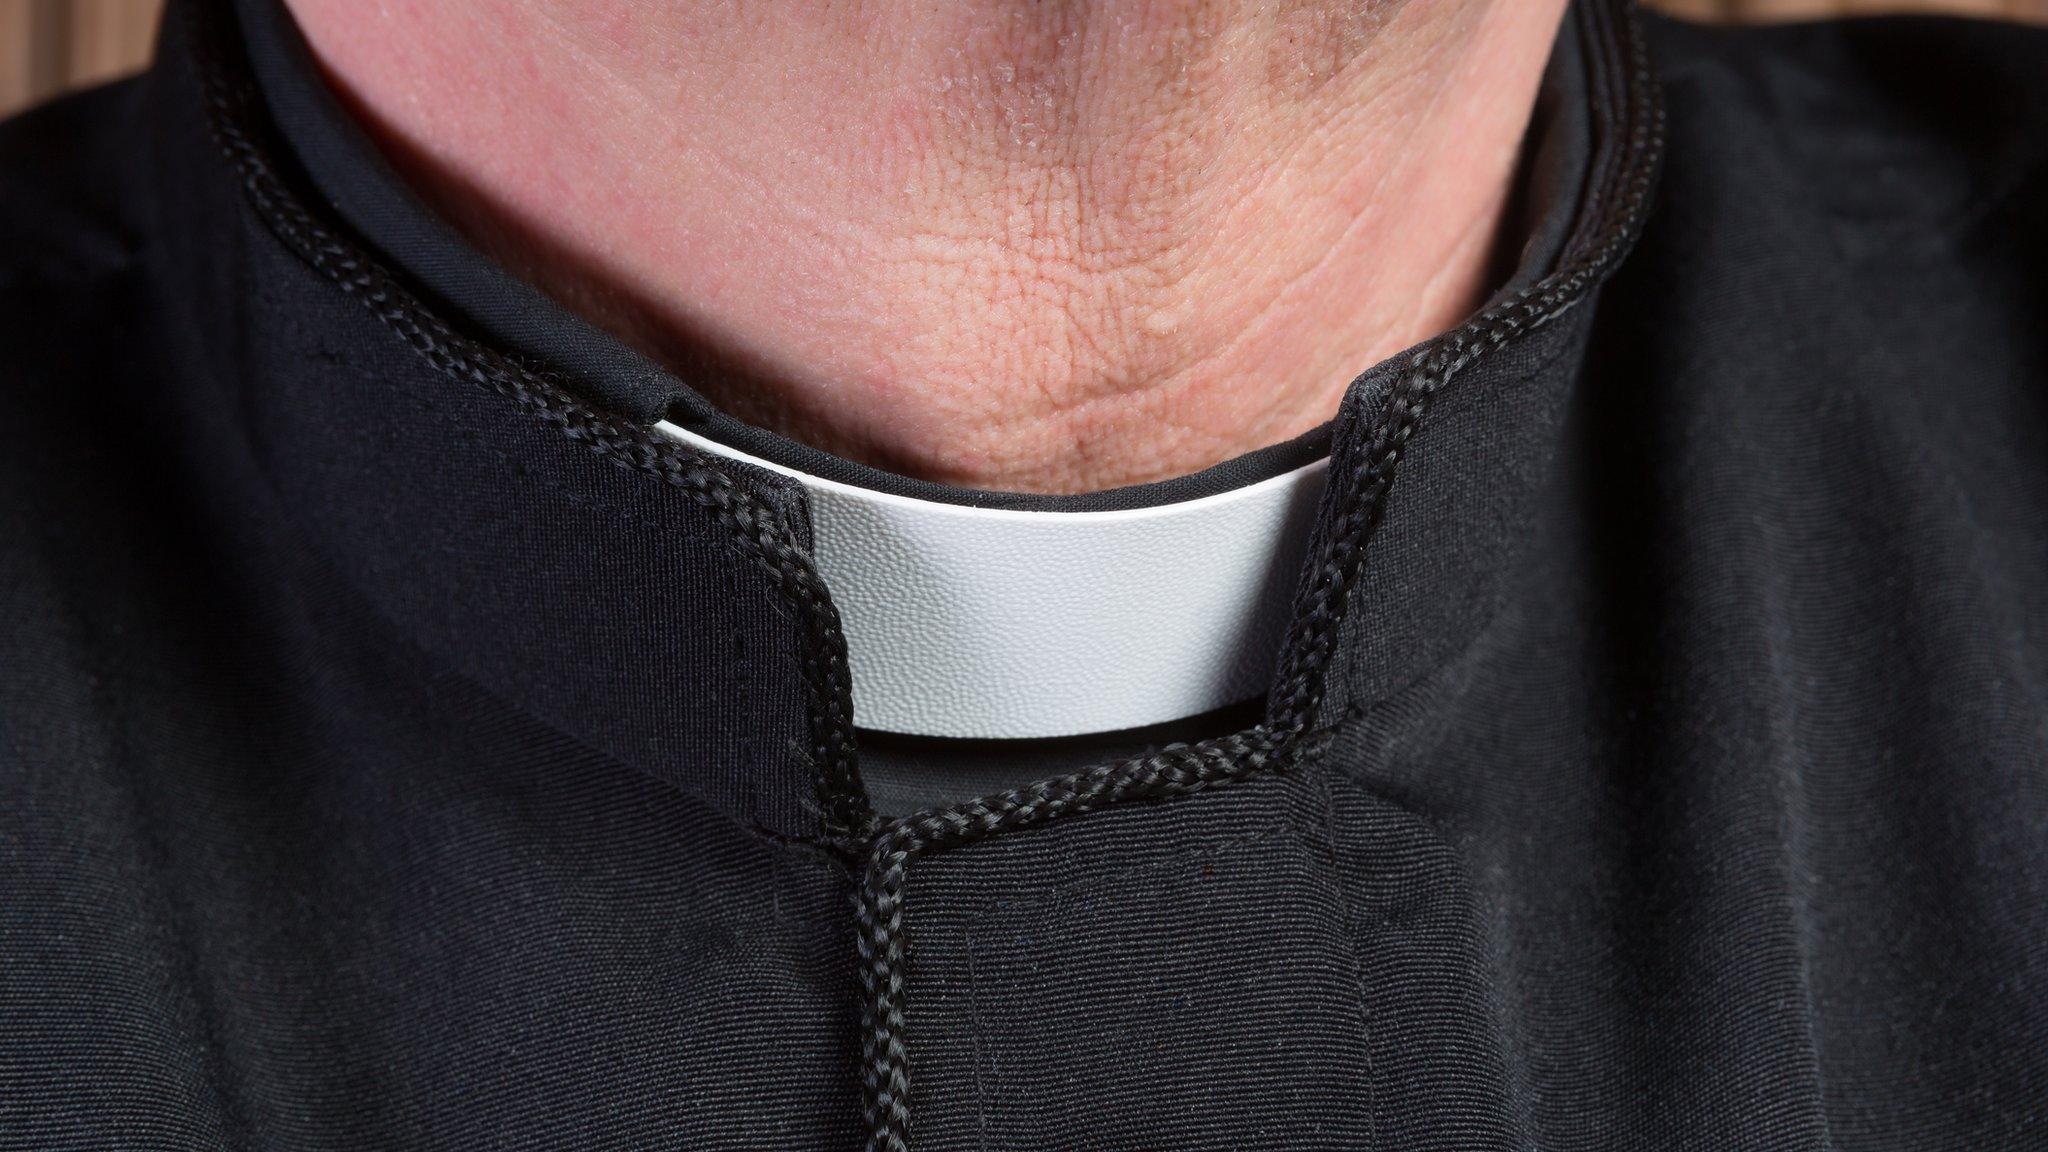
[1181, 770]
[758, 530]
[1622, 197]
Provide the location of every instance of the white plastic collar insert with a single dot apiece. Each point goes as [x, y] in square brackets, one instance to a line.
[998, 623]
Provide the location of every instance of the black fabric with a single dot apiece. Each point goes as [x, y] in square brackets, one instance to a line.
[402, 748]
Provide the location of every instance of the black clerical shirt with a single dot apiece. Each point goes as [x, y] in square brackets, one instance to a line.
[403, 746]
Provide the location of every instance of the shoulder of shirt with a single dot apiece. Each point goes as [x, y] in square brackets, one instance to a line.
[69, 173]
[1942, 42]
[73, 232]
[1915, 134]
[1968, 83]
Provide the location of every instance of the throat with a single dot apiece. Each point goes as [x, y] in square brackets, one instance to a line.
[1041, 248]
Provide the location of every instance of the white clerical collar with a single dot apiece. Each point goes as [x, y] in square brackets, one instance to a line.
[998, 623]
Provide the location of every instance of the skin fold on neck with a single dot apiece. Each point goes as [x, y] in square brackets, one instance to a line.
[1043, 247]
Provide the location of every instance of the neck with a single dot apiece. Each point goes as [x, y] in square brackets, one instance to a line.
[1042, 247]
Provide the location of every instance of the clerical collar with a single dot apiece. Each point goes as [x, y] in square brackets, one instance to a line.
[690, 636]
[1005, 622]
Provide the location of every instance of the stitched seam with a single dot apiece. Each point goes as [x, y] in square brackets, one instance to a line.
[757, 529]
[1282, 738]
[1354, 936]
[981, 1055]
[1050, 903]
[176, 932]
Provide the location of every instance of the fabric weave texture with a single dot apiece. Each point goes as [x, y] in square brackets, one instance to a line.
[401, 748]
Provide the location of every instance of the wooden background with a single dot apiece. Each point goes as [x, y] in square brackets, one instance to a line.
[48, 46]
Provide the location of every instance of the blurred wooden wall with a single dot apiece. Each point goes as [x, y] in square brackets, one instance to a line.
[49, 46]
